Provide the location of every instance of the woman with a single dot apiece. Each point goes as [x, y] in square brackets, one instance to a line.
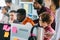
[45, 21]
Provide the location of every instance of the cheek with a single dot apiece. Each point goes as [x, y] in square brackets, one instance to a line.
[3, 10]
[11, 16]
[15, 17]
[7, 4]
[52, 19]
[35, 5]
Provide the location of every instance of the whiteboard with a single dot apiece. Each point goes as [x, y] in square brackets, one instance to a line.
[23, 31]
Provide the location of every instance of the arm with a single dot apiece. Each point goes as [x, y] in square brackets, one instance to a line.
[28, 20]
[49, 32]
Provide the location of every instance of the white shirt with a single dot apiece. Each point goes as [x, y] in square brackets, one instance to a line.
[4, 19]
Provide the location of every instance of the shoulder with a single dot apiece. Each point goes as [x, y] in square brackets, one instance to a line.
[51, 29]
[27, 19]
[47, 9]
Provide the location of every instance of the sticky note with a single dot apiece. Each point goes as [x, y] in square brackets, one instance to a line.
[6, 28]
[14, 29]
[15, 39]
[6, 34]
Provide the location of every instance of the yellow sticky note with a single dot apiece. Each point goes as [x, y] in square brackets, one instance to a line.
[6, 34]
[15, 39]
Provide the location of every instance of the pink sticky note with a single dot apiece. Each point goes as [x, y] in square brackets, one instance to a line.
[14, 29]
[5, 27]
[8, 29]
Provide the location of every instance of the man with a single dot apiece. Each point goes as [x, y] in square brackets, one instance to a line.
[38, 5]
[11, 6]
[13, 16]
[5, 15]
[21, 14]
[21, 17]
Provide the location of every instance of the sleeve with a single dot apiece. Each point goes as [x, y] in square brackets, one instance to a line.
[28, 20]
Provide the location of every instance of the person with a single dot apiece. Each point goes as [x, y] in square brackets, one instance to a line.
[13, 16]
[38, 5]
[56, 35]
[5, 15]
[21, 17]
[57, 28]
[54, 5]
[11, 5]
[45, 21]
[5, 11]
